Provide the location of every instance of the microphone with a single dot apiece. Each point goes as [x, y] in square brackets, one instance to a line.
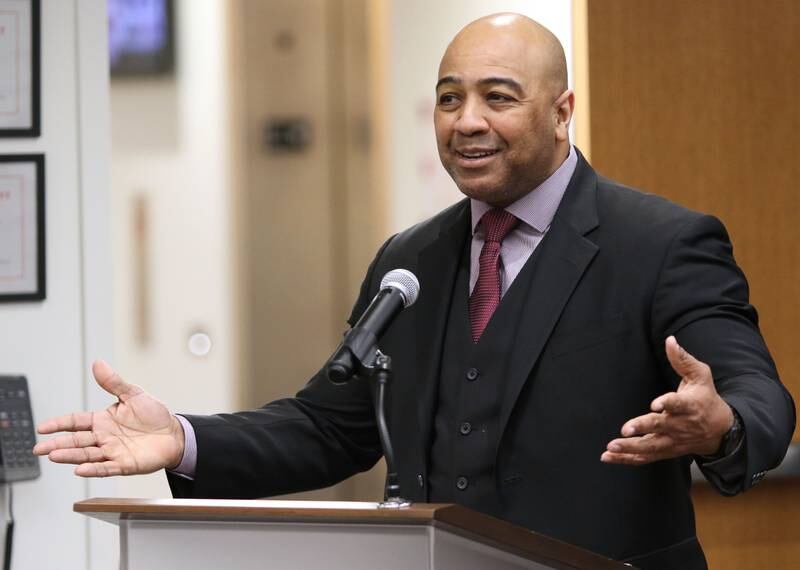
[399, 289]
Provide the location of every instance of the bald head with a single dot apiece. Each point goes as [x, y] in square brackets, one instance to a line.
[540, 51]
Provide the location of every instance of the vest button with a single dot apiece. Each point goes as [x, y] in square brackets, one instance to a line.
[472, 374]
[462, 483]
[466, 427]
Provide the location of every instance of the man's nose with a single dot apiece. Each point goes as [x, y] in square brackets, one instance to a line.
[472, 119]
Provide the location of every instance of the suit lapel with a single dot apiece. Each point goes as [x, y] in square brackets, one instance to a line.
[564, 256]
[438, 263]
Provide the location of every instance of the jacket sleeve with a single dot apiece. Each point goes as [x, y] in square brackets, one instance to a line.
[322, 435]
[702, 298]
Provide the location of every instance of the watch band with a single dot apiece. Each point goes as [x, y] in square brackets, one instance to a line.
[732, 438]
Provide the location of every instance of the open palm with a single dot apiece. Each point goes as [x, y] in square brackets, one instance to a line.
[690, 421]
[133, 436]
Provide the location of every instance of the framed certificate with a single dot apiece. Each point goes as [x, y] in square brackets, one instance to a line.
[22, 256]
[19, 68]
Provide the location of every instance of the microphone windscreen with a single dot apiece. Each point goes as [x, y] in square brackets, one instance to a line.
[405, 282]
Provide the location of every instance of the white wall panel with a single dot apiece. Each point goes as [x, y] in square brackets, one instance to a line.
[46, 341]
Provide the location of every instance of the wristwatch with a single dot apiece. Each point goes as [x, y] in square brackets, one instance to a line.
[729, 443]
[732, 438]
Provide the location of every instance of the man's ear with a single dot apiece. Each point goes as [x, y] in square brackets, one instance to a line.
[564, 105]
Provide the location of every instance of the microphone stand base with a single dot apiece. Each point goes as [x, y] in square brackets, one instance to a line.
[394, 503]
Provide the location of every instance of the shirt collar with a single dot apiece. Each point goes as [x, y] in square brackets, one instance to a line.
[538, 207]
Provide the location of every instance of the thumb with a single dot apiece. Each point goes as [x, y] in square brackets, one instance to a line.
[111, 382]
[686, 365]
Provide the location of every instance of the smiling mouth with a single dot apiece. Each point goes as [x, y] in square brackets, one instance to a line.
[476, 155]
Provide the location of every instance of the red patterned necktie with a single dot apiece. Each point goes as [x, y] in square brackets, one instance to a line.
[486, 294]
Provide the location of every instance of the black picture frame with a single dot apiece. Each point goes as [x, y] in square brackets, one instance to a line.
[32, 129]
[38, 292]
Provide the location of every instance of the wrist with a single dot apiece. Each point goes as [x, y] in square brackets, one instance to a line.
[730, 440]
[721, 420]
[179, 438]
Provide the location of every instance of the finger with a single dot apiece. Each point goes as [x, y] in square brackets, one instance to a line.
[77, 456]
[672, 403]
[640, 450]
[104, 469]
[650, 444]
[76, 440]
[648, 423]
[71, 422]
[686, 365]
[628, 458]
[112, 382]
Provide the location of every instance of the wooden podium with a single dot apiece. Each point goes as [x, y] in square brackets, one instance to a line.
[244, 535]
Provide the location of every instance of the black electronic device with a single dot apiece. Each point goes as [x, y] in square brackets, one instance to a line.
[17, 436]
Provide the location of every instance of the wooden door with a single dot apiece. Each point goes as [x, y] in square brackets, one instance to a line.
[696, 101]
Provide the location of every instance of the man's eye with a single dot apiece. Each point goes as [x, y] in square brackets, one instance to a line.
[447, 99]
[498, 97]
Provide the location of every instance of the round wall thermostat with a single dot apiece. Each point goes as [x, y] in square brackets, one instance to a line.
[199, 344]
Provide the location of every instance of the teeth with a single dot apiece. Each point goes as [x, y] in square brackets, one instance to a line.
[477, 154]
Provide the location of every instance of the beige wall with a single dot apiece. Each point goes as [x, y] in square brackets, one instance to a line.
[170, 146]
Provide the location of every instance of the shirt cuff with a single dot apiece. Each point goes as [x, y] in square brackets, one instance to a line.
[188, 465]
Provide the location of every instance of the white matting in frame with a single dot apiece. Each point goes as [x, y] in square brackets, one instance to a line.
[19, 68]
[22, 256]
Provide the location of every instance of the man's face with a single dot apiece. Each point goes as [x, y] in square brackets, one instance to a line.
[495, 118]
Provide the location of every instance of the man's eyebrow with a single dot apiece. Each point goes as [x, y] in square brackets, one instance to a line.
[448, 79]
[507, 81]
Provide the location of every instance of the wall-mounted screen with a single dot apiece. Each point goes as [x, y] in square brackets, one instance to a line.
[141, 37]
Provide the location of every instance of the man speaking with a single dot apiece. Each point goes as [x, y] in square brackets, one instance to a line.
[575, 346]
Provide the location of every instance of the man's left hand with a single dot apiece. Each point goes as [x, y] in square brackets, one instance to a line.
[691, 420]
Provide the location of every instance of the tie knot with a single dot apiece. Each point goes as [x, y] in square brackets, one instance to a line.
[497, 223]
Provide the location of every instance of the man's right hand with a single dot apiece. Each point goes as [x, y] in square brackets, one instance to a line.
[134, 436]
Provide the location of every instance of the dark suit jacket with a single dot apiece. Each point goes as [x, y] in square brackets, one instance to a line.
[618, 271]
